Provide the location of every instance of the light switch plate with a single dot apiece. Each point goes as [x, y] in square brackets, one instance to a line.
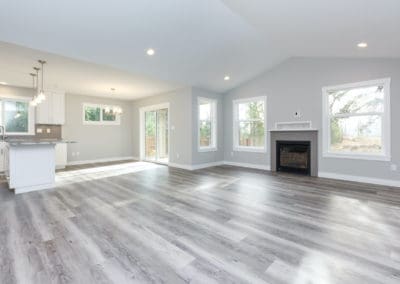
[393, 167]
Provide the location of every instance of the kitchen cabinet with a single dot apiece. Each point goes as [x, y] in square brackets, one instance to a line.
[52, 109]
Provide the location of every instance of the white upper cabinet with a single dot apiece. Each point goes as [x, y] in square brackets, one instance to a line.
[52, 109]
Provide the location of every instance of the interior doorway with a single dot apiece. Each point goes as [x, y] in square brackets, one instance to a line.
[155, 133]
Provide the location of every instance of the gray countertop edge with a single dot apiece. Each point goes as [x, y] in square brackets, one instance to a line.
[37, 142]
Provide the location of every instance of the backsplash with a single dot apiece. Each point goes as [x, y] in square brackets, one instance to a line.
[43, 131]
[47, 131]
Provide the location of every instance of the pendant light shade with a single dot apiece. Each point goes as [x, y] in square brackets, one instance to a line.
[40, 95]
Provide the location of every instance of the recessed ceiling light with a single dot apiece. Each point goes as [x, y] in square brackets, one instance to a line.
[3, 83]
[362, 44]
[227, 78]
[150, 52]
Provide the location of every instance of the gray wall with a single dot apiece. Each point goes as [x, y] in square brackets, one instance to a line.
[183, 125]
[213, 156]
[96, 141]
[296, 84]
[180, 119]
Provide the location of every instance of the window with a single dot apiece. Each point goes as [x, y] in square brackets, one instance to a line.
[357, 120]
[101, 114]
[207, 115]
[249, 127]
[17, 116]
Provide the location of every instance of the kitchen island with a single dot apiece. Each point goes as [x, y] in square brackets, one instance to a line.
[30, 163]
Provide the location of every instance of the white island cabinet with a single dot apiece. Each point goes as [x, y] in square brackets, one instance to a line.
[30, 164]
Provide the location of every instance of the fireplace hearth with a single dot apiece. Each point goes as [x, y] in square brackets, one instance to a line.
[293, 157]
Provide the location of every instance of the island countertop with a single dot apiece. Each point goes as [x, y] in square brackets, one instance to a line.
[34, 141]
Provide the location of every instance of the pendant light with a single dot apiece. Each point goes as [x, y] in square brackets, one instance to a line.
[34, 100]
[41, 96]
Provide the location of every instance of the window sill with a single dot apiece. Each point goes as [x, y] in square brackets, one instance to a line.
[250, 149]
[207, 149]
[357, 157]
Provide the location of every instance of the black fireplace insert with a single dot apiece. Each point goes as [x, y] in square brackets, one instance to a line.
[293, 157]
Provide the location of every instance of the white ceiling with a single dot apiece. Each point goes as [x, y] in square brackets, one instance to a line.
[75, 76]
[197, 42]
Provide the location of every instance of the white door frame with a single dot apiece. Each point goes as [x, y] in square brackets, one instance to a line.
[142, 112]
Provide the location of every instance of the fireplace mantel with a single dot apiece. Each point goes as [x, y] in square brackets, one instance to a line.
[294, 130]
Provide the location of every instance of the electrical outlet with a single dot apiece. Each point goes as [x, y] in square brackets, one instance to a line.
[393, 167]
[231, 154]
[77, 153]
[177, 155]
[48, 130]
[73, 154]
[39, 130]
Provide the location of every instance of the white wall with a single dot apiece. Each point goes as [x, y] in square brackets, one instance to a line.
[96, 141]
[296, 84]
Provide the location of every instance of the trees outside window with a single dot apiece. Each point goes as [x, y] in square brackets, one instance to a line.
[357, 119]
[94, 114]
[250, 124]
[207, 124]
[17, 116]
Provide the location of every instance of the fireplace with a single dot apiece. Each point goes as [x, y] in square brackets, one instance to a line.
[293, 156]
[307, 138]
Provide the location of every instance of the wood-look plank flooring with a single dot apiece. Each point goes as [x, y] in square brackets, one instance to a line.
[137, 222]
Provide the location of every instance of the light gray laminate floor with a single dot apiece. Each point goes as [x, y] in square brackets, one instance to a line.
[143, 223]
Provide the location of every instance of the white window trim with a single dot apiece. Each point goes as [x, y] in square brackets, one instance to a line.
[386, 127]
[214, 124]
[236, 146]
[101, 122]
[31, 115]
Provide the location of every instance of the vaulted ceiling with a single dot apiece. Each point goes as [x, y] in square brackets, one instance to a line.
[197, 42]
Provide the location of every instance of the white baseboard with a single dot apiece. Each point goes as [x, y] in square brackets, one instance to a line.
[180, 166]
[219, 163]
[248, 165]
[105, 160]
[363, 179]
[195, 167]
[207, 165]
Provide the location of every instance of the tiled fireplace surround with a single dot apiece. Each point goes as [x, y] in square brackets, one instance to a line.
[296, 135]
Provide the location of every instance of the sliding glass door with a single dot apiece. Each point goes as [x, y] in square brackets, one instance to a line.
[156, 135]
